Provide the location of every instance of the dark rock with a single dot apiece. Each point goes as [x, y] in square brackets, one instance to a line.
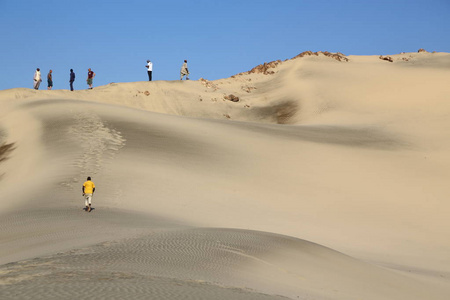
[232, 98]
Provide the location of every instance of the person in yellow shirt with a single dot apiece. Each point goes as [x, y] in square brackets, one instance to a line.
[88, 191]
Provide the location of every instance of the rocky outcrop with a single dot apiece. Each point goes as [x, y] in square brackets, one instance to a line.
[208, 84]
[388, 58]
[264, 68]
[337, 56]
[232, 98]
[421, 50]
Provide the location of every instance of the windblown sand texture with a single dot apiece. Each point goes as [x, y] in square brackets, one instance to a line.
[327, 179]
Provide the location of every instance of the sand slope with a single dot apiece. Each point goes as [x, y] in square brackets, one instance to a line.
[348, 155]
[211, 263]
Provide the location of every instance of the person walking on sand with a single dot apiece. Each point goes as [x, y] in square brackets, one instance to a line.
[37, 79]
[149, 67]
[88, 190]
[72, 79]
[49, 80]
[90, 78]
[184, 71]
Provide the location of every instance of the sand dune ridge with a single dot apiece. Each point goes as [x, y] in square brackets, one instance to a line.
[326, 180]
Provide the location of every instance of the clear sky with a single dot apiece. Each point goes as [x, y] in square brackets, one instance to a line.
[219, 38]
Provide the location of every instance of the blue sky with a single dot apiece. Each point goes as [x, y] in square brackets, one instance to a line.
[218, 38]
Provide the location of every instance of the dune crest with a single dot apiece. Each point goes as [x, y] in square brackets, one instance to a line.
[326, 179]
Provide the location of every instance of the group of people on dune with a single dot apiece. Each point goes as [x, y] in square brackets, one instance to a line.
[38, 79]
[90, 76]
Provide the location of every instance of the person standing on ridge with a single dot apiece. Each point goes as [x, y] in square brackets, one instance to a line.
[149, 67]
[72, 79]
[90, 78]
[37, 79]
[184, 71]
[88, 190]
[49, 80]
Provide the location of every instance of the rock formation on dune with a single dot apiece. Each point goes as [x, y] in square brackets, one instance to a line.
[265, 67]
[232, 98]
[337, 56]
[387, 58]
[208, 84]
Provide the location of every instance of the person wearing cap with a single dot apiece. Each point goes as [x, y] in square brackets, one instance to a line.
[184, 71]
[37, 79]
[149, 67]
[88, 190]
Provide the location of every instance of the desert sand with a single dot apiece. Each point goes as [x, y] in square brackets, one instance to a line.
[328, 179]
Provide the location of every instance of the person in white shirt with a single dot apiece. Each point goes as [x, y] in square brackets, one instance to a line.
[37, 79]
[149, 67]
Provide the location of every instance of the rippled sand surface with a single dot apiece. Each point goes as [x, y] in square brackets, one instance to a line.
[327, 180]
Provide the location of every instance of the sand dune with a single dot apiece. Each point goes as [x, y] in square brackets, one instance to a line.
[326, 180]
[209, 263]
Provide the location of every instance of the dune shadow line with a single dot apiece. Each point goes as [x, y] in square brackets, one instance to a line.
[5, 149]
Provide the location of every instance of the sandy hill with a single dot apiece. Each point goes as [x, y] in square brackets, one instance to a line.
[320, 177]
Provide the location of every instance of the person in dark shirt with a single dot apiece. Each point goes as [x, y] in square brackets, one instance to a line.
[49, 80]
[90, 78]
[72, 79]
